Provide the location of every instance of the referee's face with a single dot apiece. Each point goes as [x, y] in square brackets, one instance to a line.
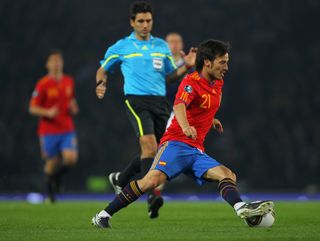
[142, 25]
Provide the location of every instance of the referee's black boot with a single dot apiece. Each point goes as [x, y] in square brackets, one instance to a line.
[155, 202]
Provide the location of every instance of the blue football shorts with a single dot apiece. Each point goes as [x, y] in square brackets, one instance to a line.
[174, 158]
[54, 144]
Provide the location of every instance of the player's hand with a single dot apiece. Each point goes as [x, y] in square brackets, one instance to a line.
[216, 124]
[52, 112]
[101, 87]
[189, 59]
[190, 132]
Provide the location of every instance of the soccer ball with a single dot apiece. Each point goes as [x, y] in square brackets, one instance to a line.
[261, 221]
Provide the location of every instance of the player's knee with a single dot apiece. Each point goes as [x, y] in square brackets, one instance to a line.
[234, 177]
[230, 174]
[50, 167]
[70, 161]
[149, 183]
[153, 182]
[70, 158]
[48, 170]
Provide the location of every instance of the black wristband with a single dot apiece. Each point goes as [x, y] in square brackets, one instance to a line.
[99, 82]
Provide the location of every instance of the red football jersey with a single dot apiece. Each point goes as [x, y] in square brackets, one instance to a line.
[202, 100]
[48, 93]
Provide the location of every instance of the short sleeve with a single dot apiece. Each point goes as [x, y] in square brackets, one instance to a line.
[37, 96]
[112, 56]
[186, 92]
[169, 63]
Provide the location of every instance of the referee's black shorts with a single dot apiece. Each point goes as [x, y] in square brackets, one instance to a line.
[148, 114]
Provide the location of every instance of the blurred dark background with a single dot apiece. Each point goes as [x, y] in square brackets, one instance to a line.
[271, 101]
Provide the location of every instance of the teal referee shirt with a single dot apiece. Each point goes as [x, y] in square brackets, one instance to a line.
[144, 64]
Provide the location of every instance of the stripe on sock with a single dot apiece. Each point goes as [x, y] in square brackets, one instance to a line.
[229, 191]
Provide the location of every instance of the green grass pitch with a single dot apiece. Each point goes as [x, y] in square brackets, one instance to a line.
[199, 221]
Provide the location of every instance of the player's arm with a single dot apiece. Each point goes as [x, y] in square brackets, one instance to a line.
[189, 63]
[73, 106]
[43, 112]
[181, 116]
[101, 82]
[216, 124]
[35, 107]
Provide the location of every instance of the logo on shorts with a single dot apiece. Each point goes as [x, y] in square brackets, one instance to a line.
[162, 163]
[188, 88]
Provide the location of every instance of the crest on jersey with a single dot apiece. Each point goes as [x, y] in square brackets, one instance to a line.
[35, 93]
[188, 88]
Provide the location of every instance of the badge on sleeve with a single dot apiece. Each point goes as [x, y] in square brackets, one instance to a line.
[35, 94]
[188, 88]
[157, 63]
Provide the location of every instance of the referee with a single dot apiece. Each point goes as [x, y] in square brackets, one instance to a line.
[147, 65]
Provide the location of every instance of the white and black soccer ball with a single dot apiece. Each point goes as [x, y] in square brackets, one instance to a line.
[261, 221]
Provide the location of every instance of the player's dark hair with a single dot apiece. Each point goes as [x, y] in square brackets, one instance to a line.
[139, 7]
[210, 49]
[53, 52]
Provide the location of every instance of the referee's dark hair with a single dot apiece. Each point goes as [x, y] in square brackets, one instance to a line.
[210, 49]
[139, 7]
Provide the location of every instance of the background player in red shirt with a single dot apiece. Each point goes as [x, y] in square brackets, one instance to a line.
[53, 100]
[181, 150]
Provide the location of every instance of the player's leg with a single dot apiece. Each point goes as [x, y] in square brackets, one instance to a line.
[227, 185]
[50, 182]
[128, 195]
[229, 192]
[69, 151]
[148, 146]
[160, 112]
[169, 162]
[49, 152]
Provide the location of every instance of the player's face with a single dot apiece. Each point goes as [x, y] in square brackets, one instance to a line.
[218, 67]
[175, 43]
[55, 63]
[142, 25]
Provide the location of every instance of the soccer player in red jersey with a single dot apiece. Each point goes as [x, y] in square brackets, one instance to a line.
[181, 147]
[53, 100]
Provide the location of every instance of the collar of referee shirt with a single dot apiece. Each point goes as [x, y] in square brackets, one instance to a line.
[133, 37]
[137, 42]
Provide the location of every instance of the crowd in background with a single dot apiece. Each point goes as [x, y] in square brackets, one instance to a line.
[270, 106]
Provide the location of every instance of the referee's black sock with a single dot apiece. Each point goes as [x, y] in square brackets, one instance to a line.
[145, 165]
[129, 194]
[132, 169]
[229, 191]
